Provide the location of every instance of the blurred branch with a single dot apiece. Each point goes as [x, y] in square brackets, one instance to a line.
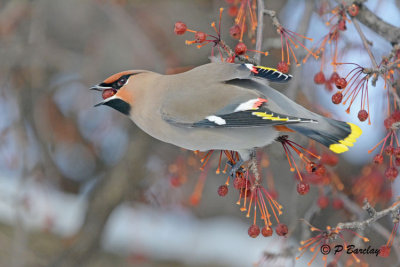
[372, 21]
[260, 28]
[109, 193]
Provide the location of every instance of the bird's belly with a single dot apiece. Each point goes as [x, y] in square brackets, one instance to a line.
[219, 138]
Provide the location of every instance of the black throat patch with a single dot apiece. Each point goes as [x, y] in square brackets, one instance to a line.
[119, 105]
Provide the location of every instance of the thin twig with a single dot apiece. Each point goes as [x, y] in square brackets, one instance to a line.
[365, 43]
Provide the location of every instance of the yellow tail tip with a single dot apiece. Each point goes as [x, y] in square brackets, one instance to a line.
[344, 144]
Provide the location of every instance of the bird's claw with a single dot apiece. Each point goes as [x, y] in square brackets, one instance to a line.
[237, 167]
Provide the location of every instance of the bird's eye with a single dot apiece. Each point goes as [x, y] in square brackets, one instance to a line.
[121, 82]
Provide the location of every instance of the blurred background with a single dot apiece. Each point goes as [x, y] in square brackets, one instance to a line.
[83, 186]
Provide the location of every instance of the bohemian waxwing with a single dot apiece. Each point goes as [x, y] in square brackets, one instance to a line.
[220, 106]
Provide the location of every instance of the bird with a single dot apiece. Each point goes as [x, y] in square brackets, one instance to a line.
[219, 106]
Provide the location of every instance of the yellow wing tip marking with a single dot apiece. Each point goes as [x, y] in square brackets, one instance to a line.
[348, 141]
[267, 116]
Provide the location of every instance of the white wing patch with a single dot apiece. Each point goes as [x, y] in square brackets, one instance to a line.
[216, 120]
[249, 66]
[248, 105]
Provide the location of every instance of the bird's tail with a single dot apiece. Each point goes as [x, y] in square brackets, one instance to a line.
[338, 136]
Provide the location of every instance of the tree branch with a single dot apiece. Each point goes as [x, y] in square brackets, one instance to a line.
[374, 216]
[372, 21]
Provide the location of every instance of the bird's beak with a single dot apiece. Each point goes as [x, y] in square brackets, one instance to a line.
[99, 88]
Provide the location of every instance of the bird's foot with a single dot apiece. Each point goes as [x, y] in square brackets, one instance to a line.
[236, 167]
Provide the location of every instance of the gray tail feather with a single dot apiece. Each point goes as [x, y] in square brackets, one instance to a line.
[326, 131]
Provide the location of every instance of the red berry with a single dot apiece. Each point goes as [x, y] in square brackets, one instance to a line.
[240, 49]
[108, 93]
[334, 77]
[396, 152]
[303, 188]
[384, 251]
[342, 25]
[239, 183]
[273, 194]
[391, 173]
[266, 231]
[378, 159]
[180, 28]
[175, 181]
[337, 98]
[337, 203]
[388, 122]
[323, 202]
[223, 190]
[328, 86]
[389, 150]
[233, 11]
[234, 31]
[362, 115]
[353, 10]
[397, 162]
[340, 83]
[329, 159]
[281, 229]
[200, 37]
[253, 231]
[396, 115]
[319, 78]
[283, 67]
[311, 167]
[320, 170]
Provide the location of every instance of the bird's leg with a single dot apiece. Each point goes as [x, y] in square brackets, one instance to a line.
[236, 167]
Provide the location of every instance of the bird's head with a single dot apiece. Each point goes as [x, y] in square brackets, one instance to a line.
[115, 91]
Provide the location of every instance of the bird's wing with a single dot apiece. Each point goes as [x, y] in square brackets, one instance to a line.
[222, 105]
[222, 71]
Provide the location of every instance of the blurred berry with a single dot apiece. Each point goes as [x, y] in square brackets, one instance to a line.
[283, 67]
[340, 83]
[319, 78]
[378, 159]
[254, 231]
[391, 173]
[323, 202]
[337, 98]
[234, 31]
[240, 49]
[353, 10]
[266, 231]
[337, 203]
[303, 188]
[232, 11]
[362, 115]
[281, 229]
[389, 150]
[180, 28]
[200, 37]
[311, 167]
[384, 251]
[334, 77]
[223, 190]
[342, 25]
